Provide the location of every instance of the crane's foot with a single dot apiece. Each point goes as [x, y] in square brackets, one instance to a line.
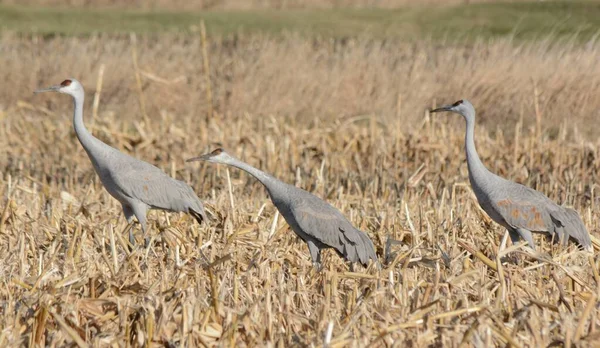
[520, 258]
[511, 259]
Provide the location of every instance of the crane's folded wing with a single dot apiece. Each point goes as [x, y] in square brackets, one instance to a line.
[327, 225]
[153, 187]
[524, 215]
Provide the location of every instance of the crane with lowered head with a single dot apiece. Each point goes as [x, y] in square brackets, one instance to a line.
[318, 223]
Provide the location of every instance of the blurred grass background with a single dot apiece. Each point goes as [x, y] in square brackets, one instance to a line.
[522, 20]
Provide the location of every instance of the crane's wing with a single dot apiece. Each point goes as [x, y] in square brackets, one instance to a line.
[326, 224]
[150, 185]
[537, 213]
[524, 214]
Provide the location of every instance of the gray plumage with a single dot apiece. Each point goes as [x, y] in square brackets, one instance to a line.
[137, 185]
[318, 223]
[520, 209]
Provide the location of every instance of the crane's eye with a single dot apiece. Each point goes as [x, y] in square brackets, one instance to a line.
[217, 151]
[65, 83]
[457, 103]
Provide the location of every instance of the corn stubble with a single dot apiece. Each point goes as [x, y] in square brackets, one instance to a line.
[347, 122]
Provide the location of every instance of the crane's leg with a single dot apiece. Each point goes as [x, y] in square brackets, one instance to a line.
[526, 234]
[514, 235]
[139, 210]
[129, 217]
[560, 236]
[315, 254]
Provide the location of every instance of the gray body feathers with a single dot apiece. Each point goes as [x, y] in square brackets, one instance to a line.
[132, 181]
[520, 209]
[320, 224]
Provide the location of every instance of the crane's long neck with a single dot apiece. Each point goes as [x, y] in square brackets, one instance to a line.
[478, 173]
[267, 180]
[91, 145]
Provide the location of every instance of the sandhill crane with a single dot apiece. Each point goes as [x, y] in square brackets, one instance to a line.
[318, 223]
[137, 185]
[520, 209]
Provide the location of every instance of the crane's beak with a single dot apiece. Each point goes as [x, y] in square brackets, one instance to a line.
[49, 89]
[442, 108]
[199, 158]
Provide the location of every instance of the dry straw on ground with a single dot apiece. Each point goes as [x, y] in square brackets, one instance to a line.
[346, 121]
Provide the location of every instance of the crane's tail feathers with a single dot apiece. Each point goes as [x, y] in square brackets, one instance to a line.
[352, 253]
[367, 250]
[570, 226]
[357, 247]
[199, 216]
[577, 229]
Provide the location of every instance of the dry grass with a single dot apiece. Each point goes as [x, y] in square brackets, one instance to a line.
[304, 79]
[345, 121]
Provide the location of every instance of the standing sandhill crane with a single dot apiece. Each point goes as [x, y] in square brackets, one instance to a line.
[319, 224]
[520, 209]
[138, 185]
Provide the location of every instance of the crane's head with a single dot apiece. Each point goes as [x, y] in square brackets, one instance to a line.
[462, 107]
[69, 86]
[217, 156]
